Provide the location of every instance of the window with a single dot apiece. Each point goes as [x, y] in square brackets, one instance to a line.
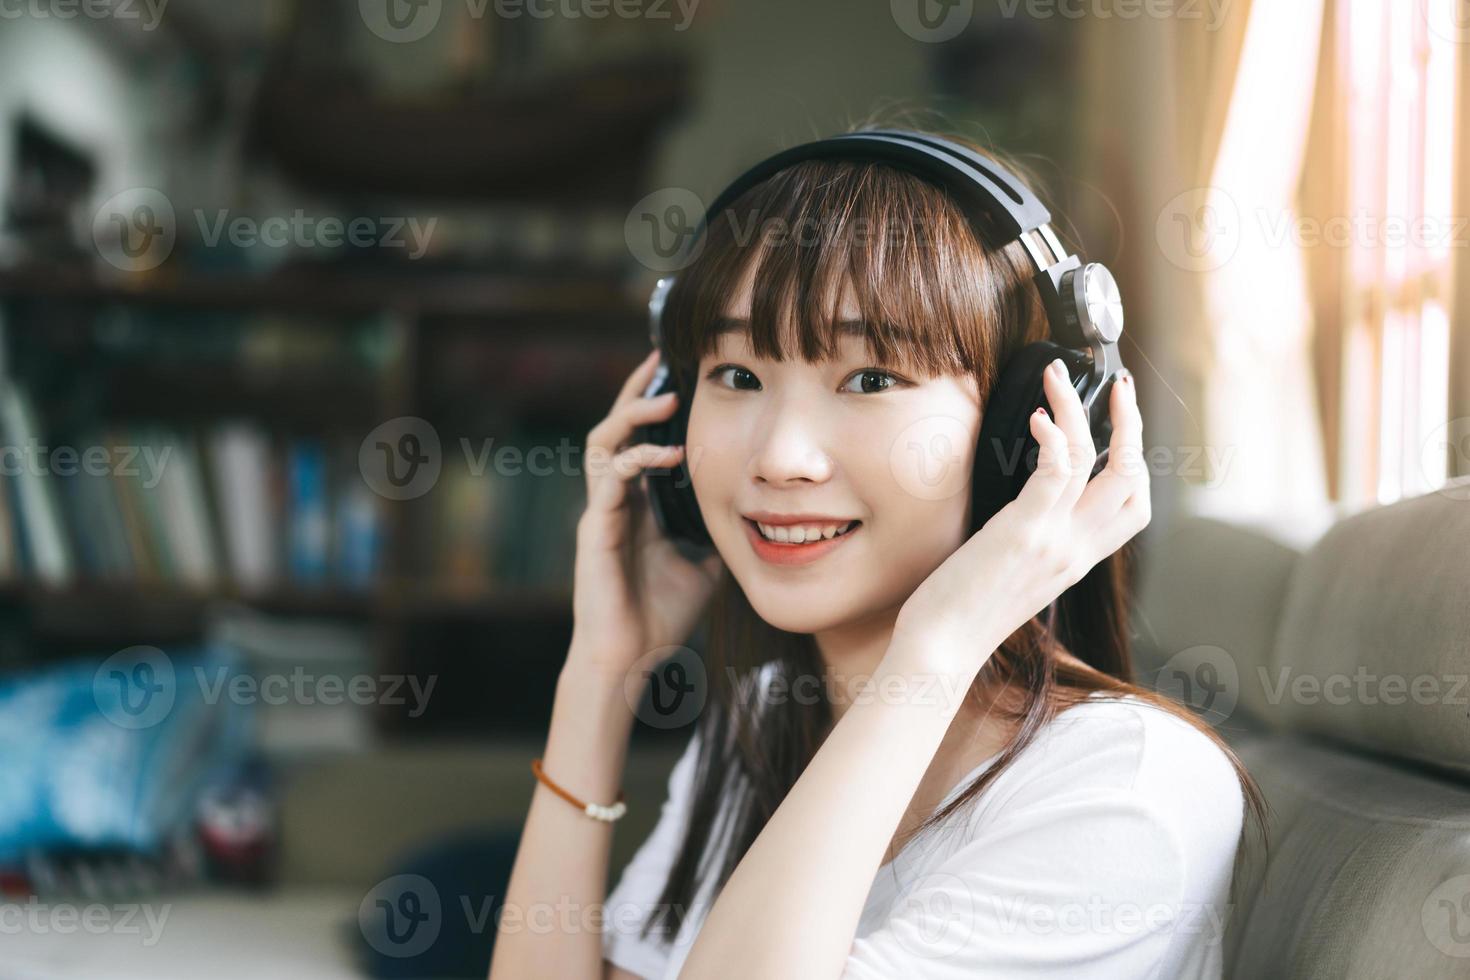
[1400, 123]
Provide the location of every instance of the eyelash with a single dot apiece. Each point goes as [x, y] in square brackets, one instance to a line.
[897, 381]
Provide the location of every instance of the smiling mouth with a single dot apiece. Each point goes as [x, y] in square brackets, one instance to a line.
[786, 536]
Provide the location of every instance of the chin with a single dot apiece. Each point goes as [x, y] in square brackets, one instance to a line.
[788, 613]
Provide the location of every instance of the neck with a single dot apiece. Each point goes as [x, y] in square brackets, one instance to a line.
[851, 654]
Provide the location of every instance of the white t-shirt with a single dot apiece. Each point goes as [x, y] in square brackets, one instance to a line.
[1105, 850]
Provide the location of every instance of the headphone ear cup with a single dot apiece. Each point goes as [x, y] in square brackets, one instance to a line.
[671, 489]
[1005, 453]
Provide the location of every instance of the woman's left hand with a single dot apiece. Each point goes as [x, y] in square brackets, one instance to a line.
[1043, 542]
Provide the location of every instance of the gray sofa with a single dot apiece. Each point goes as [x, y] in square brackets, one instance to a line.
[1341, 675]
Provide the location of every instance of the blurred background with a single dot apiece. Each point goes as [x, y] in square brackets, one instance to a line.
[306, 308]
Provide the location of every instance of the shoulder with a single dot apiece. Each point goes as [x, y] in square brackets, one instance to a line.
[1123, 753]
[1110, 841]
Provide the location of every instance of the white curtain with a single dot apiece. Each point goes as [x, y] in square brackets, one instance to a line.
[1260, 414]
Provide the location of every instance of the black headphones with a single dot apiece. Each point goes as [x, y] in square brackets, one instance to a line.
[1083, 309]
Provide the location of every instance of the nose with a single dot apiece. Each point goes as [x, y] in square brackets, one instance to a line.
[790, 445]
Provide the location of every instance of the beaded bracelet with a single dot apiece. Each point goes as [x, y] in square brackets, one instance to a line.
[594, 810]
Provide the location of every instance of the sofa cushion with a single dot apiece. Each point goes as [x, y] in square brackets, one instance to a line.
[1208, 614]
[1368, 873]
[1374, 647]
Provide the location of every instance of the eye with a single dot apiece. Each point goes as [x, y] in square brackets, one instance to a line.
[739, 371]
[892, 381]
[881, 380]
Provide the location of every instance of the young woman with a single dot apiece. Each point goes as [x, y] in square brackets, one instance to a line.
[909, 765]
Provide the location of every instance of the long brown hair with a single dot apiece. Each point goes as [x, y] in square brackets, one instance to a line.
[930, 295]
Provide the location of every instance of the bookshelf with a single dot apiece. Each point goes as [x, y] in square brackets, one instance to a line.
[485, 358]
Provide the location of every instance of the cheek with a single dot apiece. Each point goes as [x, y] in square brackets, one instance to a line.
[930, 458]
[712, 451]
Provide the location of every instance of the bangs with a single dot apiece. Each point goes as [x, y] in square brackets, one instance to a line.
[930, 297]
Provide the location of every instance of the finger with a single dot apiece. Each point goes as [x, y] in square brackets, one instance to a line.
[619, 426]
[609, 485]
[1045, 486]
[1071, 418]
[1132, 518]
[1125, 474]
[636, 382]
[639, 378]
[614, 431]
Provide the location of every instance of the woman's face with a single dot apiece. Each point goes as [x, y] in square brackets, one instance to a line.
[849, 440]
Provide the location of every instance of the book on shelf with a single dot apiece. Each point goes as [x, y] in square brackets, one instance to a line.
[506, 525]
[220, 506]
[38, 515]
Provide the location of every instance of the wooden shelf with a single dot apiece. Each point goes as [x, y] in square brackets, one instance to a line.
[575, 306]
[583, 137]
[121, 602]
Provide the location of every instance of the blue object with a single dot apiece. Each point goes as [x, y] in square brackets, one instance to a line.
[310, 529]
[115, 753]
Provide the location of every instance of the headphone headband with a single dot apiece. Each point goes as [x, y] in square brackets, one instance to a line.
[987, 188]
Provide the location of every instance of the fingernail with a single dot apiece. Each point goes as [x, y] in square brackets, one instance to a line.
[1057, 368]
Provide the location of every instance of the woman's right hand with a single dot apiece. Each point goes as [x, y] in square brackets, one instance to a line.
[632, 590]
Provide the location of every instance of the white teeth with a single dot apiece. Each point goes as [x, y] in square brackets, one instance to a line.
[802, 533]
